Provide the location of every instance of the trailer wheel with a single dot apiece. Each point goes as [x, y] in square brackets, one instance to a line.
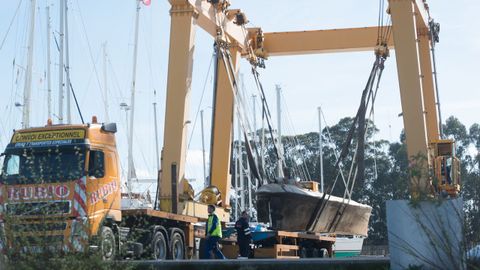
[177, 247]
[107, 244]
[159, 246]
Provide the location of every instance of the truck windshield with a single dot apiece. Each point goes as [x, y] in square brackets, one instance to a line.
[50, 165]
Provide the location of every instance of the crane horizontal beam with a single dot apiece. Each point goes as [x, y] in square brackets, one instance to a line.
[322, 41]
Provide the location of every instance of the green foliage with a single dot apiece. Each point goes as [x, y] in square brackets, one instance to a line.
[79, 261]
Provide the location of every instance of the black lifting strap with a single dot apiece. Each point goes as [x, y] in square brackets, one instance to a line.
[359, 121]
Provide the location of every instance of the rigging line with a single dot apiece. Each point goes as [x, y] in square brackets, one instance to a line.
[299, 169]
[76, 101]
[225, 55]
[353, 166]
[74, 97]
[42, 37]
[201, 99]
[261, 92]
[296, 142]
[143, 155]
[266, 109]
[350, 134]
[148, 46]
[117, 84]
[89, 48]
[268, 118]
[87, 85]
[372, 115]
[289, 145]
[10, 25]
[335, 152]
[353, 183]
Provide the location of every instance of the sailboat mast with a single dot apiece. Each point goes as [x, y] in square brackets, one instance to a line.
[240, 167]
[60, 63]
[28, 76]
[203, 152]
[254, 98]
[279, 125]
[156, 130]
[67, 67]
[49, 74]
[320, 146]
[132, 102]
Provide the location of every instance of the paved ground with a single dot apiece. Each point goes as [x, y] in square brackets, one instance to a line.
[268, 264]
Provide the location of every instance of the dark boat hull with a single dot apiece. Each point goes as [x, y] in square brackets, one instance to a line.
[291, 208]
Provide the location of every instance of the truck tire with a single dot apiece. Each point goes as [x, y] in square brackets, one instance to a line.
[159, 246]
[177, 246]
[107, 244]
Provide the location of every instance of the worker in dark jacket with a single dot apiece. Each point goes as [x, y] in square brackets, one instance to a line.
[213, 234]
[243, 234]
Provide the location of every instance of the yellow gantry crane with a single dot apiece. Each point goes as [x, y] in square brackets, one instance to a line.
[433, 158]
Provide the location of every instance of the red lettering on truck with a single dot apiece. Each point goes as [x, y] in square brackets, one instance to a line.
[37, 192]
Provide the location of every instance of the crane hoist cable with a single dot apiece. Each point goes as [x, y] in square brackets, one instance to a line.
[225, 56]
[201, 100]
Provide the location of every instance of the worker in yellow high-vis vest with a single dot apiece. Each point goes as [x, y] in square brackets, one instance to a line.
[213, 234]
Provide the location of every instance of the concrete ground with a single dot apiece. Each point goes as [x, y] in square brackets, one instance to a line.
[268, 264]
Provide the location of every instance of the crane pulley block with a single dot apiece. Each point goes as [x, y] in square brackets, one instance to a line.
[220, 4]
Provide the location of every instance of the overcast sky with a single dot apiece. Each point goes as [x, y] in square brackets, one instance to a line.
[333, 81]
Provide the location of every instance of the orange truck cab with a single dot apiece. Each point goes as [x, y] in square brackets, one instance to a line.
[59, 185]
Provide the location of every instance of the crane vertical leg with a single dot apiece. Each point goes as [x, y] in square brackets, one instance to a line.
[222, 125]
[182, 45]
[408, 66]
[428, 87]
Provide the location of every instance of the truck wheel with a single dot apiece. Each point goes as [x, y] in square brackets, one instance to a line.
[107, 243]
[177, 247]
[159, 246]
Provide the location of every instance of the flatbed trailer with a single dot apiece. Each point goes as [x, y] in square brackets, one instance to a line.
[291, 245]
[177, 239]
